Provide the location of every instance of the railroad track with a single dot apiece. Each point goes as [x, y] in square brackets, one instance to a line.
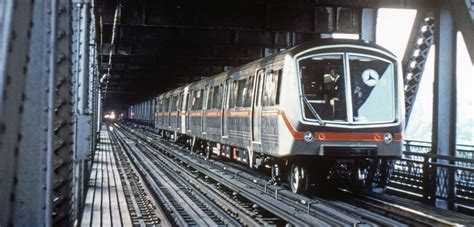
[284, 205]
[294, 209]
[143, 210]
[183, 207]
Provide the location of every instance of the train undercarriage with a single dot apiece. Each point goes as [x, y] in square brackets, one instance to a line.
[301, 174]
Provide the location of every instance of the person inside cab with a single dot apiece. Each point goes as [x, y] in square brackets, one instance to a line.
[333, 88]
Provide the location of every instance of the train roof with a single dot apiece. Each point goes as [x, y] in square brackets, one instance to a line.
[281, 55]
[338, 42]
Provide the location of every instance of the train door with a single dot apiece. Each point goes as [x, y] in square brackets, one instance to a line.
[257, 107]
[225, 108]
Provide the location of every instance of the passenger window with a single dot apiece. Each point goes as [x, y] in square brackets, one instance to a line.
[174, 103]
[158, 105]
[197, 100]
[241, 92]
[205, 94]
[248, 92]
[217, 97]
[180, 102]
[209, 98]
[271, 87]
[233, 94]
[188, 101]
[166, 105]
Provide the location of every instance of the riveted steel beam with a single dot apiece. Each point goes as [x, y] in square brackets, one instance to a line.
[14, 43]
[444, 103]
[416, 54]
[464, 19]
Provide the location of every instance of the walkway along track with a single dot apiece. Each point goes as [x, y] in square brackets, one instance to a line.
[294, 209]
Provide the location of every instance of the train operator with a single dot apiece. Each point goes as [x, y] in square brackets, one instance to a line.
[333, 87]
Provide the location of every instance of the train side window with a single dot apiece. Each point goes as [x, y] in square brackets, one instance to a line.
[158, 105]
[205, 95]
[180, 102]
[210, 98]
[217, 97]
[170, 103]
[174, 103]
[258, 88]
[241, 92]
[248, 92]
[233, 94]
[271, 87]
[197, 99]
[165, 104]
[188, 101]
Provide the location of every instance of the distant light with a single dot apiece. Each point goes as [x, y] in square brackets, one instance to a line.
[340, 36]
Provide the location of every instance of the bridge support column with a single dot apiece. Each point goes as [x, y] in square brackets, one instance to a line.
[444, 106]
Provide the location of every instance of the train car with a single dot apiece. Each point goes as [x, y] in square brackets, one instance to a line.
[143, 112]
[318, 111]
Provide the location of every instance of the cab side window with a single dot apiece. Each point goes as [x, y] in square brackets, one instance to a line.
[271, 87]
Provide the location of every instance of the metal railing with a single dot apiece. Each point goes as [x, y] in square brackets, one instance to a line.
[446, 181]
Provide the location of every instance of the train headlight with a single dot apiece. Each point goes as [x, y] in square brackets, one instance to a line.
[388, 137]
[308, 137]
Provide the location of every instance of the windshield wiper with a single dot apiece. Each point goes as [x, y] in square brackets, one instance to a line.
[313, 111]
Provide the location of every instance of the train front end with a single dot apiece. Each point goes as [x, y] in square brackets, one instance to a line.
[350, 113]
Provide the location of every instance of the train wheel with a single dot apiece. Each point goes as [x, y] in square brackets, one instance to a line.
[359, 176]
[276, 174]
[299, 178]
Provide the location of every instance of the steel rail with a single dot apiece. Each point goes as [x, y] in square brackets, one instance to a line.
[124, 165]
[369, 210]
[245, 216]
[174, 214]
[203, 211]
[259, 191]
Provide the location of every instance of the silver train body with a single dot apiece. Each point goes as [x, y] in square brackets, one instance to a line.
[284, 107]
[143, 112]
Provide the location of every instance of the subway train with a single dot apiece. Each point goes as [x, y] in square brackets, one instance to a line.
[317, 113]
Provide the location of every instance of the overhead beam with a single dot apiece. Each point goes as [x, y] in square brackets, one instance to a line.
[404, 4]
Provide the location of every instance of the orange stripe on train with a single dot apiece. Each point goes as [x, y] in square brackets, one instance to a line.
[322, 136]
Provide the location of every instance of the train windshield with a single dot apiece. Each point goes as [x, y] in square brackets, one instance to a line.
[373, 89]
[365, 95]
[323, 87]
